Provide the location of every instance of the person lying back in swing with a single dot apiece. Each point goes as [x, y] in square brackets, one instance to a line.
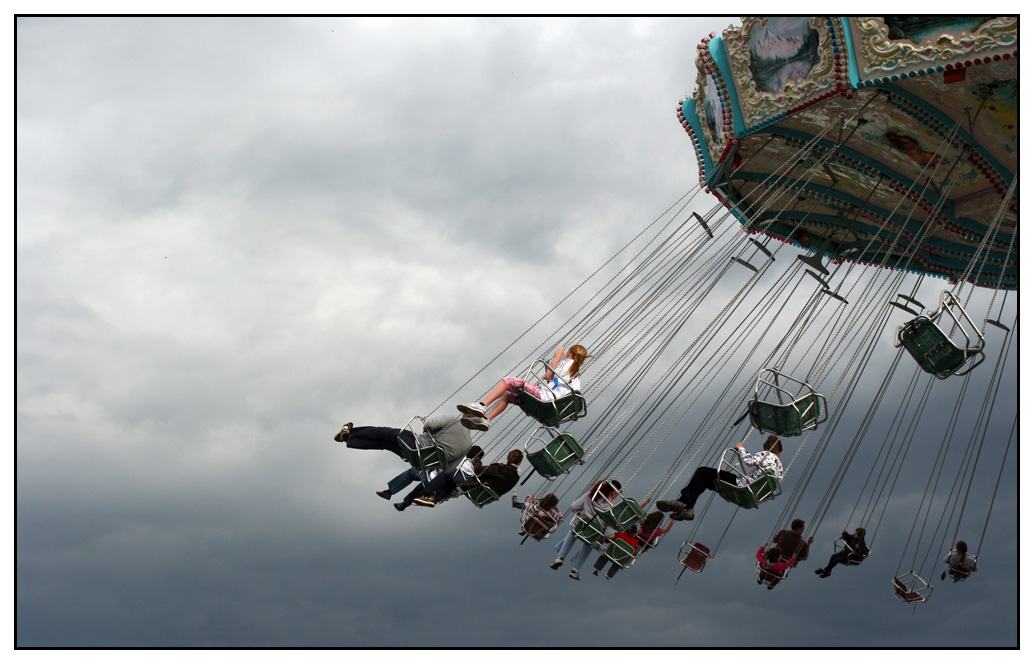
[453, 438]
[704, 477]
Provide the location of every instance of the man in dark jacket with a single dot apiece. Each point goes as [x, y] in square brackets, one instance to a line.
[854, 552]
[791, 542]
[500, 477]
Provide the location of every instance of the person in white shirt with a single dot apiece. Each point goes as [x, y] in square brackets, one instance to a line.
[563, 376]
[704, 477]
[960, 565]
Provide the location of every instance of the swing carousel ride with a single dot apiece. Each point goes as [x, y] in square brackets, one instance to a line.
[885, 150]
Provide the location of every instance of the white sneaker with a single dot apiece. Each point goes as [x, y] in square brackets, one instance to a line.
[476, 423]
[574, 575]
[473, 409]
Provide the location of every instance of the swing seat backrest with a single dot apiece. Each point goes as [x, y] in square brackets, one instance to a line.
[620, 552]
[902, 592]
[538, 526]
[622, 515]
[839, 545]
[557, 456]
[697, 557]
[553, 413]
[764, 488]
[589, 531]
[790, 419]
[423, 453]
[481, 495]
[932, 349]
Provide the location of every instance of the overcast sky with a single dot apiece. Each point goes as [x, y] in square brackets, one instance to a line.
[233, 235]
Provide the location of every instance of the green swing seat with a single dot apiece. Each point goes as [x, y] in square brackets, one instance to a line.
[555, 412]
[786, 409]
[423, 453]
[620, 553]
[934, 349]
[788, 419]
[481, 495]
[589, 531]
[760, 490]
[557, 456]
[622, 515]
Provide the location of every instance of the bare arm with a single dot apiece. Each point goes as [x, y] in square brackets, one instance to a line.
[558, 355]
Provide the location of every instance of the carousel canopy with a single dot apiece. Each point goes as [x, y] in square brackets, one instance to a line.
[886, 140]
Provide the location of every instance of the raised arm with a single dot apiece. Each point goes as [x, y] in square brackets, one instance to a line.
[558, 354]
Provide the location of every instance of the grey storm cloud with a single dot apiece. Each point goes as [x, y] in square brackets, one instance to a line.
[233, 235]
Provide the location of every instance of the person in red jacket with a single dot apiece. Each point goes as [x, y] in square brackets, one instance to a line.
[772, 566]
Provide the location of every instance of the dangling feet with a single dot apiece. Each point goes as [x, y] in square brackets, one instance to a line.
[476, 423]
[683, 515]
[476, 409]
[574, 574]
[386, 494]
[822, 573]
[671, 505]
[400, 506]
[342, 436]
[427, 501]
[557, 563]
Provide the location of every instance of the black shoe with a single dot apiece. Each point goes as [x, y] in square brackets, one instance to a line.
[820, 572]
[342, 436]
[400, 506]
[670, 505]
[386, 494]
[943, 574]
[688, 514]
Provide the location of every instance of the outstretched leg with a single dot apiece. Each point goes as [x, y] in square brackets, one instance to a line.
[378, 438]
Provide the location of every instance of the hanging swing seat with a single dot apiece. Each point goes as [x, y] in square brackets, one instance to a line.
[588, 530]
[753, 492]
[538, 524]
[558, 452]
[961, 572]
[839, 546]
[422, 452]
[769, 577]
[694, 556]
[943, 353]
[482, 494]
[550, 413]
[622, 514]
[787, 409]
[619, 552]
[911, 589]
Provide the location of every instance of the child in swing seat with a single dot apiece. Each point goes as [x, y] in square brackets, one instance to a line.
[542, 515]
[564, 371]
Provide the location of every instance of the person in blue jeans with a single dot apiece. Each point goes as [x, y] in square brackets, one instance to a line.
[438, 487]
[599, 497]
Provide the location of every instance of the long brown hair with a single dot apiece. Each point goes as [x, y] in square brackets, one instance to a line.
[578, 355]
